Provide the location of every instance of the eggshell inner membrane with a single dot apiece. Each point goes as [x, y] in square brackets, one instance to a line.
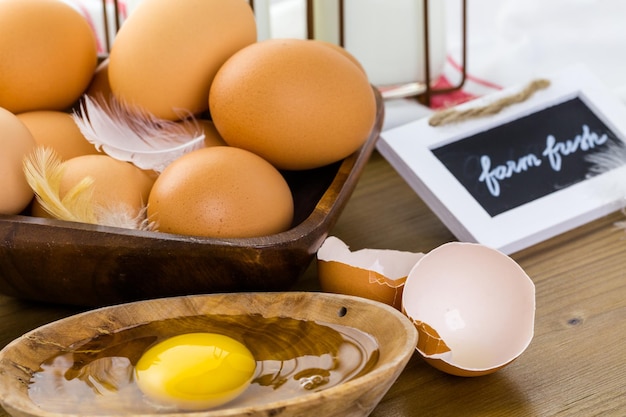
[473, 300]
[430, 343]
[376, 274]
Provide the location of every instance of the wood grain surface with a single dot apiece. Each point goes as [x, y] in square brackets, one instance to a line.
[576, 363]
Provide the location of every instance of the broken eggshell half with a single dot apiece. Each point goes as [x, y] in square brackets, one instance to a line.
[376, 274]
[473, 307]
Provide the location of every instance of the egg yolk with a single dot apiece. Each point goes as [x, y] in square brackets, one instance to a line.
[195, 371]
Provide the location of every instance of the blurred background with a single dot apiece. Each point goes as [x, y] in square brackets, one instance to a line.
[509, 42]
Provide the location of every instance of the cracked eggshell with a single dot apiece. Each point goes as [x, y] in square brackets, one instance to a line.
[473, 306]
[376, 274]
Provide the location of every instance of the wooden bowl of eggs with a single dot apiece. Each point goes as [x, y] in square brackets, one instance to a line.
[287, 353]
[296, 110]
[89, 265]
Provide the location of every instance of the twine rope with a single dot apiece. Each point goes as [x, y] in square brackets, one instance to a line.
[454, 116]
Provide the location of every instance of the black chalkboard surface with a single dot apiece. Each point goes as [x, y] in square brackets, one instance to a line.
[528, 158]
[529, 171]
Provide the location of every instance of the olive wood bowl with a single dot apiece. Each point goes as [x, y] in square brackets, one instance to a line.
[395, 337]
[89, 265]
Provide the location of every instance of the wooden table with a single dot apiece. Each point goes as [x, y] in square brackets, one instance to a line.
[576, 364]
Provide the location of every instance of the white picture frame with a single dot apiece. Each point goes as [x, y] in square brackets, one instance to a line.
[409, 149]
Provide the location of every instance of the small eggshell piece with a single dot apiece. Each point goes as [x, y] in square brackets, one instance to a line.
[376, 274]
[430, 342]
[473, 306]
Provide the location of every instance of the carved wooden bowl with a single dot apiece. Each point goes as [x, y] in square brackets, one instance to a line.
[81, 264]
[103, 332]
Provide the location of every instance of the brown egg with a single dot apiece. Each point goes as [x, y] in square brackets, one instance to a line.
[99, 88]
[175, 49]
[344, 52]
[221, 191]
[211, 136]
[299, 104]
[118, 186]
[37, 210]
[16, 142]
[48, 55]
[57, 130]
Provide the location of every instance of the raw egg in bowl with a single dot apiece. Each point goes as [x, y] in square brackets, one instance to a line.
[473, 307]
[258, 354]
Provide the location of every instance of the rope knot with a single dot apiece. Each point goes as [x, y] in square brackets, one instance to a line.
[454, 116]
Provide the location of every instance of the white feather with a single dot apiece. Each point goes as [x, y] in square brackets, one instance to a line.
[613, 156]
[136, 136]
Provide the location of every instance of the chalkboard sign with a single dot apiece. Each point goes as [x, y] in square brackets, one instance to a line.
[528, 158]
[524, 174]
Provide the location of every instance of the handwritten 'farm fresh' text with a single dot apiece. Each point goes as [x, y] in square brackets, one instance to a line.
[554, 152]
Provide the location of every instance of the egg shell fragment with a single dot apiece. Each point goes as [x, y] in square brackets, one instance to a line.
[376, 274]
[473, 307]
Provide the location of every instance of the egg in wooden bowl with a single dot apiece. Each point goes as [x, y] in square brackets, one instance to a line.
[314, 353]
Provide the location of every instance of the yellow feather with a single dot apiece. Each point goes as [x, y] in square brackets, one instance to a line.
[44, 170]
